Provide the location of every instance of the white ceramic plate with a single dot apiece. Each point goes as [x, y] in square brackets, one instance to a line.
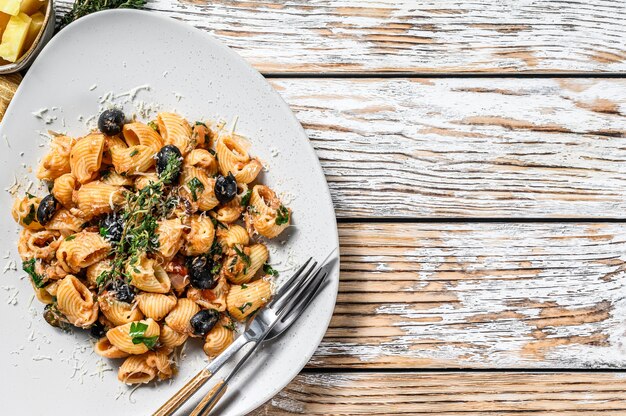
[143, 59]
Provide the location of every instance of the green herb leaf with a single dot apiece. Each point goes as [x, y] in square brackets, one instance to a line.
[29, 195]
[194, 186]
[245, 199]
[217, 223]
[28, 219]
[244, 286]
[154, 126]
[267, 269]
[245, 306]
[199, 123]
[84, 7]
[282, 215]
[134, 152]
[137, 333]
[230, 326]
[103, 231]
[29, 267]
[70, 237]
[102, 277]
[243, 256]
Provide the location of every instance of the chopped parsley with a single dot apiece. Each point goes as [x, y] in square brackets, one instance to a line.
[282, 215]
[29, 195]
[102, 277]
[231, 326]
[29, 267]
[245, 199]
[194, 186]
[244, 258]
[267, 269]
[104, 231]
[199, 123]
[217, 223]
[244, 286]
[70, 237]
[245, 306]
[28, 219]
[137, 333]
[134, 152]
[153, 126]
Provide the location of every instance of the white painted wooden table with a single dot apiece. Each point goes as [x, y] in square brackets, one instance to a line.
[476, 155]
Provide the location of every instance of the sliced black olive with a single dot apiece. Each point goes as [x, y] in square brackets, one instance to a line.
[204, 321]
[225, 188]
[112, 227]
[111, 121]
[97, 330]
[124, 293]
[168, 161]
[47, 208]
[201, 273]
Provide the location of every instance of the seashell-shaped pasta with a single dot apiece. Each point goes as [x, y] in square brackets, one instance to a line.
[258, 255]
[170, 235]
[38, 244]
[120, 336]
[95, 270]
[63, 189]
[65, 222]
[175, 130]
[229, 212]
[170, 338]
[76, 302]
[144, 368]
[205, 196]
[148, 276]
[57, 162]
[97, 198]
[264, 211]
[52, 288]
[143, 180]
[235, 234]
[220, 337]
[24, 212]
[104, 348]
[42, 294]
[156, 305]
[54, 271]
[86, 157]
[85, 249]
[140, 133]
[132, 160]
[244, 300]
[118, 313]
[111, 177]
[178, 318]
[233, 157]
[211, 298]
[202, 158]
[200, 237]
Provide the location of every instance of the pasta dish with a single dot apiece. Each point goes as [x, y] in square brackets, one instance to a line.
[151, 234]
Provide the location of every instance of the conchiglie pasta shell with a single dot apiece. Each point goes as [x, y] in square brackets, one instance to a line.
[86, 157]
[63, 189]
[42, 294]
[84, 250]
[175, 130]
[264, 204]
[144, 368]
[140, 133]
[40, 245]
[233, 157]
[76, 302]
[118, 313]
[57, 162]
[115, 179]
[170, 235]
[203, 159]
[205, 198]
[148, 276]
[211, 298]
[97, 198]
[120, 337]
[178, 318]
[104, 348]
[258, 256]
[200, 237]
[95, 270]
[235, 234]
[170, 338]
[141, 181]
[26, 207]
[65, 222]
[218, 338]
[242, 302]
[133, 160]
[156, 305]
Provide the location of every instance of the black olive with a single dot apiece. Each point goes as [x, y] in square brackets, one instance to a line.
[97, 330]
[124, 293]
[204, 321]
[47, 208]
[112, 227]
[111, 121]
[169, 155]
[225, 188]
[51, 315]
[200, 273]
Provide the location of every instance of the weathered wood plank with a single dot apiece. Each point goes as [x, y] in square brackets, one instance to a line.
[442, 148]
[426, 36]
[479, 295]
[447, 394]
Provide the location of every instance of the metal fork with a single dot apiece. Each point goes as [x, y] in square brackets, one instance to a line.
[284, 301]
[298, 306]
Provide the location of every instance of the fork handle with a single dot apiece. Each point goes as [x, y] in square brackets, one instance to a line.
[184, 394]
[209, 401]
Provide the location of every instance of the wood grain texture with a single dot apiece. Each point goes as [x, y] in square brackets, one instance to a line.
[8, 86]
[450, 394]
[479, 295]
[441, 148]
[399, 36]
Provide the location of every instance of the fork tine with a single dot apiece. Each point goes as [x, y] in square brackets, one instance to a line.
[295, 288]
[294, 310]
[281, 291]
[299, 294]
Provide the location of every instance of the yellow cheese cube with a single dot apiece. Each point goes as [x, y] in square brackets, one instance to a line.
[11, 7]
[14, 36]
[31, 6]
[4, 20]
[33, 30]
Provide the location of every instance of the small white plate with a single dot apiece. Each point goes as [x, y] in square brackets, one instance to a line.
[137, 60]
